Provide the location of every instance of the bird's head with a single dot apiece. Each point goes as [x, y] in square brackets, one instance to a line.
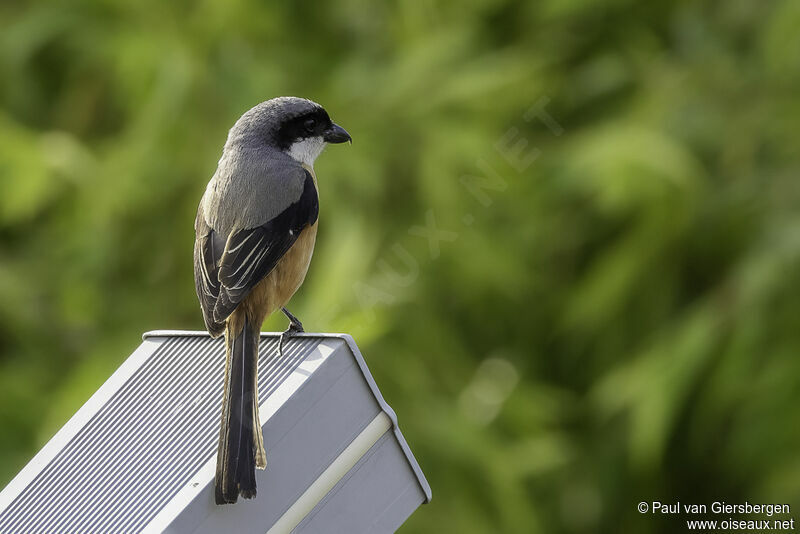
[296, 126]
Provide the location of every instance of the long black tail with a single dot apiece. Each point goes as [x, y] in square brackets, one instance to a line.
[236, 463]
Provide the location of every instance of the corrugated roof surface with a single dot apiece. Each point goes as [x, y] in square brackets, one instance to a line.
[89, 485]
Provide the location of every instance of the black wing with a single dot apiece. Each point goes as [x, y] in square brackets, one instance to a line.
[208, 249]
[251, 253]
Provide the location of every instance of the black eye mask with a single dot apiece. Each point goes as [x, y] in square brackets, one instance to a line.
[302, 127]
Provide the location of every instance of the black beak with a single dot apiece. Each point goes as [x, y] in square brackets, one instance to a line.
[336, 134]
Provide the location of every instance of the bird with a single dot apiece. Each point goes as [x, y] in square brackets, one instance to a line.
[255, 231]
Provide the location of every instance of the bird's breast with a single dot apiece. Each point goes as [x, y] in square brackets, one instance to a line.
[277, 288]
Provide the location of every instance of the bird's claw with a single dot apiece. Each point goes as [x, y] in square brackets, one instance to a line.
[295, 327]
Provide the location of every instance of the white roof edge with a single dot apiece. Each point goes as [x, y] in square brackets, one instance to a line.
[423, 482]
[373, 386]
[340, 466]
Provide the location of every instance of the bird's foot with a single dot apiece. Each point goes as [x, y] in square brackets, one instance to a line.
[295, 327]
[295, 322]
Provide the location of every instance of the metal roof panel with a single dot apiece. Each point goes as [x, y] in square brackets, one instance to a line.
[140, 454]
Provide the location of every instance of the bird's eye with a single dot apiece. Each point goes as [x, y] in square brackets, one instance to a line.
[310, 124]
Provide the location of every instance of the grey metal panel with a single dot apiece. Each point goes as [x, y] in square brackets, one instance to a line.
[144, 442]
[401, 440]
[139, 454]
[301, 440]
[376, 496]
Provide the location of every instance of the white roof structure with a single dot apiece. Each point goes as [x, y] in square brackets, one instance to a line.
[140, 455]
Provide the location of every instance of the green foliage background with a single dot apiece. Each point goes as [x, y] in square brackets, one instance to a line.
[619, 323]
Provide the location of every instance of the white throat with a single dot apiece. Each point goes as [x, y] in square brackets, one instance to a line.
[307, 150]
